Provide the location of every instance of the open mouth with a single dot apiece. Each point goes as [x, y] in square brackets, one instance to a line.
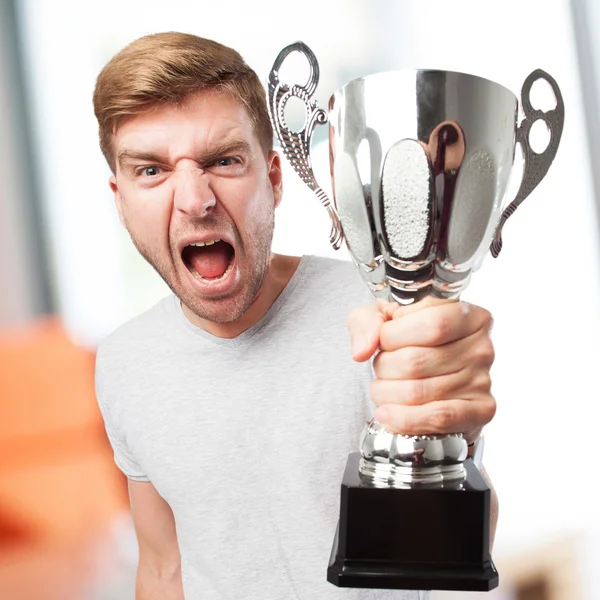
[209, 261]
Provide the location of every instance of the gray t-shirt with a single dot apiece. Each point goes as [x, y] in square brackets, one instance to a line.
[246, 438]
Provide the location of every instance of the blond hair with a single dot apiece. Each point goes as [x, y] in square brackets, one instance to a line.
[165, 69]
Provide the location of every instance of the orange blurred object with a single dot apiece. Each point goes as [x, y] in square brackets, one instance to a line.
[59, 486]
[48, 572]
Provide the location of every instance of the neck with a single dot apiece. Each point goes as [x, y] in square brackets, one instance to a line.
[280, 271]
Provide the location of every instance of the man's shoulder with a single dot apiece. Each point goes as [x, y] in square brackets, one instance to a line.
[338, 277]
[139, 332]
[328, 267]
[328, 264]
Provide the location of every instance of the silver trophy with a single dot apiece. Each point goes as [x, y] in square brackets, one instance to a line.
[419, 200]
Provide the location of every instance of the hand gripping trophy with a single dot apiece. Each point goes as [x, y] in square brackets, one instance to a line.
[418, 217]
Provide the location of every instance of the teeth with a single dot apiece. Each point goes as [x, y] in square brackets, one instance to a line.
[206, 243]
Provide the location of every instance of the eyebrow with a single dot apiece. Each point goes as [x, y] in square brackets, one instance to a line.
[224, 149]
[126, 155]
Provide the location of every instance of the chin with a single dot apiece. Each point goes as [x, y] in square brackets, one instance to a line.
[217, 310]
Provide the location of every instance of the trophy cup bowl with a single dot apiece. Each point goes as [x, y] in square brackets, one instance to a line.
[419, 191]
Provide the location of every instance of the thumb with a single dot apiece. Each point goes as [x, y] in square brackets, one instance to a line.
[364, 324]
[427, 302]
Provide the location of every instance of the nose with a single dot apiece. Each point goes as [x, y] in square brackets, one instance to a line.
[193, 193]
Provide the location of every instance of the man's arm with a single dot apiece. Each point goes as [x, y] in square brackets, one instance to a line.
[159, 567]
[494, 506]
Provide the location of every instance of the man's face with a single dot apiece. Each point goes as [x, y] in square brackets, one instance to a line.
[197, 195]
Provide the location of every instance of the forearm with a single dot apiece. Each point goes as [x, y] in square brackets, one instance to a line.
[153, 585]
[493, 506]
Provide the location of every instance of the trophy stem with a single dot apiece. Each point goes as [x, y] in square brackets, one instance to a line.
[396, 460]
[386, 475]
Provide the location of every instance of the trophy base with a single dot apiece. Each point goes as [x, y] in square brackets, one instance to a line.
[426, 537]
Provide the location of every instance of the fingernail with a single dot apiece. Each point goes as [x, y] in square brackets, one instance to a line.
[359, 343]
[381, 415]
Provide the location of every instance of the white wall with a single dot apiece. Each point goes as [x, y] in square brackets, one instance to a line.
[19, 294]
[543, 290]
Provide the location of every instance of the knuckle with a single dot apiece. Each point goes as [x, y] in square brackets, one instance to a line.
[443, 417]
[490, 351]
[483, 314]
[439, 330]
[488, 319]
[416, 392]
[484, 381]
[386, 308]
[484, 352]
[489, 411]
[414, 362]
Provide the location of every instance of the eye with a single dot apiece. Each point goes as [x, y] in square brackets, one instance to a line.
[151, 171]
[226, 161]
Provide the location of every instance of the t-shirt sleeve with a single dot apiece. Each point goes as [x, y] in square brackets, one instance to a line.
[122, 455]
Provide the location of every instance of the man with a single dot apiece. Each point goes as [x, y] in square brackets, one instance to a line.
[233, 403]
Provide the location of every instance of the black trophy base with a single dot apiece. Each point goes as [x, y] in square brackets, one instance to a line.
[420, 538]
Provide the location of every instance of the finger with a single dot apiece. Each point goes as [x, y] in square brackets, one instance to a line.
[466, 385]
[364, 325]
[403, 310]
[418, 362]
[434, 326]
[443, 416]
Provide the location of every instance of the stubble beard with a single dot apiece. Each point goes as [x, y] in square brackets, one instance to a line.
[227, 309]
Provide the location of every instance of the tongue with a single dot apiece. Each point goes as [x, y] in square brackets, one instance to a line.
[209, 261]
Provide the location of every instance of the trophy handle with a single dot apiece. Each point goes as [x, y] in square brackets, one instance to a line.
[536, 165]
[296, 145]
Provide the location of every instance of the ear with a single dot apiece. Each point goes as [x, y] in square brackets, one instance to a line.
[112, 182]
[275, 176]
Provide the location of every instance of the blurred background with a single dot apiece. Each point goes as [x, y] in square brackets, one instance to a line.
[69, 274]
